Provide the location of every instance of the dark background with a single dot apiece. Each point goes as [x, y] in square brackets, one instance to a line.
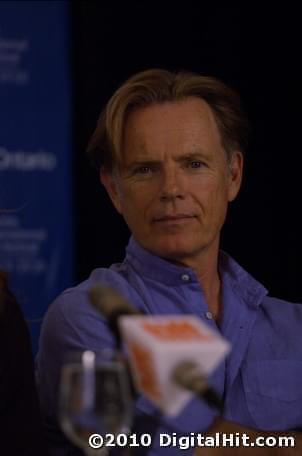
[255, 50]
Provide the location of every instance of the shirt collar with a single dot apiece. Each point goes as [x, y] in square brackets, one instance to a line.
[156, 268]
[232, 274]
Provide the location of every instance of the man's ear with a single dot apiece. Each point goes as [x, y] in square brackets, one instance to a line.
[235, 174]
[109, 180]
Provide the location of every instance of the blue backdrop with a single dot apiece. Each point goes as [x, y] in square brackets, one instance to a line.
[35, 153]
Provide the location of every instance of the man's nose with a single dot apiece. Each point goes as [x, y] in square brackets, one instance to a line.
[173, 185]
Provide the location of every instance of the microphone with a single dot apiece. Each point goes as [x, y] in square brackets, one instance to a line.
[112, 306]
[170, 355]
[187, 375]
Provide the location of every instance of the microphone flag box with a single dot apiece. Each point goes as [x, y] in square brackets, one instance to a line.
[156, 345]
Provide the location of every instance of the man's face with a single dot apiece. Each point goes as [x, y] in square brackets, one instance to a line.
[175, 181]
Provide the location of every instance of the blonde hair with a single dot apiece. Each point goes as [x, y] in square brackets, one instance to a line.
[160, 86]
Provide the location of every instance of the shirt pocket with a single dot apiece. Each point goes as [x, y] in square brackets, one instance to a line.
[273, 390]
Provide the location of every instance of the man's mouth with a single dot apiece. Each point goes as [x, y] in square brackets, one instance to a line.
[173, 218]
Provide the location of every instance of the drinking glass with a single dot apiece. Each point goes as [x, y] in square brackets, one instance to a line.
[95, 398]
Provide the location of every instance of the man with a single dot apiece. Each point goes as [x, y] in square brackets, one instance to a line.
[169, 149]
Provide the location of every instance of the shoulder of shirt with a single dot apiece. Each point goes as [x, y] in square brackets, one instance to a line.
[278, 327]
[276, 333]
[281, 308]
[74, 298]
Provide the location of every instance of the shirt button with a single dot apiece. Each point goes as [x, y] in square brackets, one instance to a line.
[209, 315]
[185, 278]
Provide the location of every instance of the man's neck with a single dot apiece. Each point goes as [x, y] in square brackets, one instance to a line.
[206, 269]
[211, 288]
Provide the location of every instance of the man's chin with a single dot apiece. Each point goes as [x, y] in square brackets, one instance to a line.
[181, 252]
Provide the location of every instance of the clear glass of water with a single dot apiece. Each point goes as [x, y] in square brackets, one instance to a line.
[95, 398]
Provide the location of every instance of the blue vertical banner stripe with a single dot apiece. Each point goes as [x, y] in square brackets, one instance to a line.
[35, 153]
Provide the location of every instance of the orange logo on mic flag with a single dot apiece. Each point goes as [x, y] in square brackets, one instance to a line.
[174, 330]
[144, 369]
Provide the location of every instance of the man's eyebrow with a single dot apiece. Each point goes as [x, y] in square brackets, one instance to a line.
[196, 155]
[142, 162]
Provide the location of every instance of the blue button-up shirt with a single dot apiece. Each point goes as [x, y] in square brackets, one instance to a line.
[260, 380]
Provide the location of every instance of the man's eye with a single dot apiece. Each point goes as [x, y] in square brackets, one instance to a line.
[196, 164]
[143, 170]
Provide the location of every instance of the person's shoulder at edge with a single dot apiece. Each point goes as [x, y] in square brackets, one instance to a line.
[19, 408]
